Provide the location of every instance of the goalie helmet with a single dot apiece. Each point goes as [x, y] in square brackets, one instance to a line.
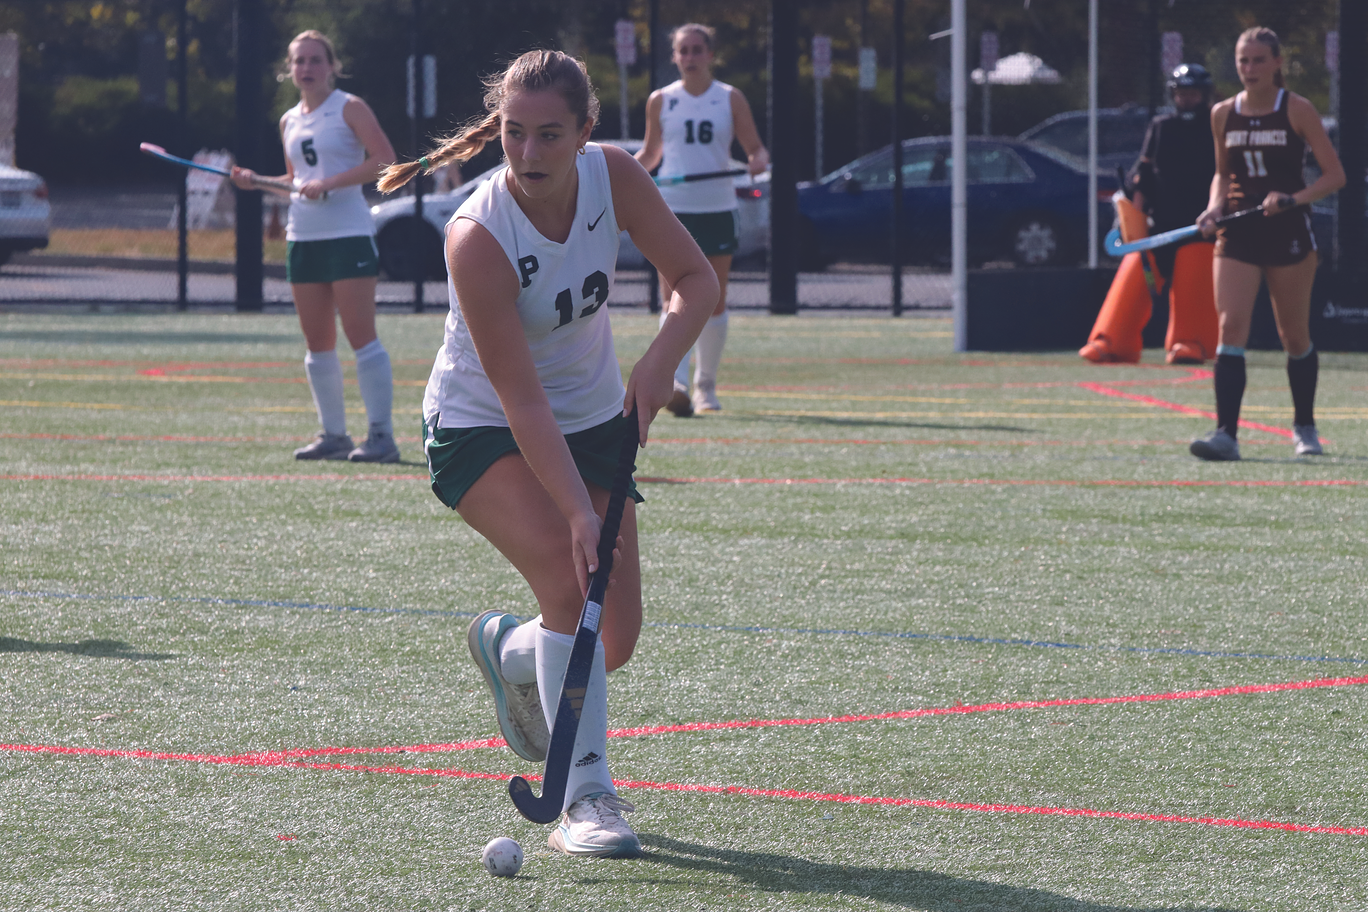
[1191, 76]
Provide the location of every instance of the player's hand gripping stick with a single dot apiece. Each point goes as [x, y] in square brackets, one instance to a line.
[560, 752]
[271, 183]
[1115, 248]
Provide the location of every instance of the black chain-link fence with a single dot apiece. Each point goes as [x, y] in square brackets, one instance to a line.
[91, 90]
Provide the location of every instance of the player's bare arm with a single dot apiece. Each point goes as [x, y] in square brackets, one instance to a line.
[652, 147]
[642, 213]
[743, 125]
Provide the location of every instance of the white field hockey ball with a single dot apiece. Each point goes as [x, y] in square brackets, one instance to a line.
[502, 857]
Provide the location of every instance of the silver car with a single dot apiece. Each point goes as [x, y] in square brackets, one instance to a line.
[25, 215]
[411, 248]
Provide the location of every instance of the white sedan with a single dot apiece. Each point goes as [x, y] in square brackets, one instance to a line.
[410, 247]
[25, 215]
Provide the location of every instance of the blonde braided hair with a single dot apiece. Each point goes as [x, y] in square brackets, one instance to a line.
[532, 72]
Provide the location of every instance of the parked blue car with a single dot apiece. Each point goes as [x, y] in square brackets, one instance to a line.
[1027, 203]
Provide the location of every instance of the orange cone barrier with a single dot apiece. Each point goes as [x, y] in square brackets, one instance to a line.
[1116, 334]
[1193, 327]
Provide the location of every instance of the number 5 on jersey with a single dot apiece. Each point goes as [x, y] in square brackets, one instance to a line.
[309, 152]
[595, 286]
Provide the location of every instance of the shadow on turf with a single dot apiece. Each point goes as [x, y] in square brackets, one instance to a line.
[900, 886]
[99, 649]
[146, 338]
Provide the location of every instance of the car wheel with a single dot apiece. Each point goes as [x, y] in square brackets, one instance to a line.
[410, 250]
[1036, 241]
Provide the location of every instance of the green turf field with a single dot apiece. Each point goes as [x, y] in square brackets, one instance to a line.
[874, 530]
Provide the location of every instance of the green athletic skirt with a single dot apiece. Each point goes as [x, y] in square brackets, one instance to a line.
[331, 260]
[457, 457]
[715, 232]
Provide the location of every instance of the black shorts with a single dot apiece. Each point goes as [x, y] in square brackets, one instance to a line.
[1284, 239]
[716, 233]
[457, 457]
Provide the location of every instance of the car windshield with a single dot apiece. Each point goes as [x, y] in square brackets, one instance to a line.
[1116, 135]
[926, 165]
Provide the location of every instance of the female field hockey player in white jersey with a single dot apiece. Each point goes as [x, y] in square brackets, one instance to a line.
[525, 409]
[690, 125]
[333, 145]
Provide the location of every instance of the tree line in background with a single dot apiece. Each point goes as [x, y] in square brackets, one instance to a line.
[82, 112]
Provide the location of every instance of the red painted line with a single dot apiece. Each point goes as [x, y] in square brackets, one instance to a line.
[662, 479]
[960, 709]
[172, 438]
[1184, 409]
[1009, 482]
[794, 795]
[857, 441]
[202, 478]
[783, 794]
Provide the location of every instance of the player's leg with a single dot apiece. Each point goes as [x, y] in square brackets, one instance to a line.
[1237, 284]
[355, 301]
[1289, 288]
[511, 509]
[711, 341]
[318, 320]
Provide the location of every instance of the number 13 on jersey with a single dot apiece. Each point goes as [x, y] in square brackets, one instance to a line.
[595, 286]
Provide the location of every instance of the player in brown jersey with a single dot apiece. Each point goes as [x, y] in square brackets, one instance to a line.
[1261, 138]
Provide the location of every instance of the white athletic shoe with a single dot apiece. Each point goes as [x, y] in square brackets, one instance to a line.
[705, 398]
[517, 706]
[379, 447]
[594, 826]
[1308, 443]
[326, 446]
[1218, 446]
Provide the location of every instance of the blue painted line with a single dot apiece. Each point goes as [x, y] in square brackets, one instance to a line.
[250, 603]
[727, 628]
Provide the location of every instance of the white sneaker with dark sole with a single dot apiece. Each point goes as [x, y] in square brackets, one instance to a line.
[705, 398]
[1308, 441]
[1218, 446]
[326, 446]
[594, 827]
[517, 706]
[377, 448]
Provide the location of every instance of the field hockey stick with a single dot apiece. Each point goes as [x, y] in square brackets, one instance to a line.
[560, 752]
[689, 178]
[1115, 248]
[265, 182]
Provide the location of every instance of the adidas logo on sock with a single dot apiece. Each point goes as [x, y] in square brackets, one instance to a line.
[588, 759]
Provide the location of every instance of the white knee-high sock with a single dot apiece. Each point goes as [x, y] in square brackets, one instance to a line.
[710, 343]
[325, 382]
[589, 768]
[518, 653]
[681, 375]
[376, 380]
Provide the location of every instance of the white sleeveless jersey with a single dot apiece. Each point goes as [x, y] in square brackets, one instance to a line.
[697, 134]
[320, 144]
[560, 305]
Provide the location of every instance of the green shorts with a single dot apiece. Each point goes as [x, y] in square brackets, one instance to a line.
[715, 232]
[328, 261]
[457, 457]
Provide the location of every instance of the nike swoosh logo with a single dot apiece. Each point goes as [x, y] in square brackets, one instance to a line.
[594, 223]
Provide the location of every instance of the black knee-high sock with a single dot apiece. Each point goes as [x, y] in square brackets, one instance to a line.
[1230, 387]
[1301, 376]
